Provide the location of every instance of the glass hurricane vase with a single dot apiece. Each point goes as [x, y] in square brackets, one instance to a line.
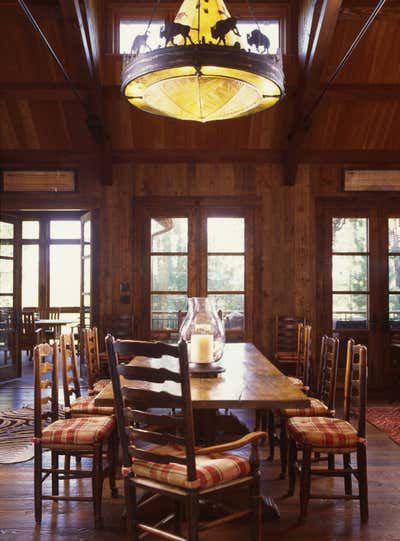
[203, 330]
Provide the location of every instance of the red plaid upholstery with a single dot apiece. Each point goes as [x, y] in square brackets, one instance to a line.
[79, 431]
[211, 469]
[315, 408]
[85, 405]
[99, 385]
[322, 431]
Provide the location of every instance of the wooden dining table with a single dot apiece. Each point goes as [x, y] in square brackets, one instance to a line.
[250, 382]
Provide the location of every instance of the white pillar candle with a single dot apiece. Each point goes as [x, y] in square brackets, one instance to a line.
[201, 348]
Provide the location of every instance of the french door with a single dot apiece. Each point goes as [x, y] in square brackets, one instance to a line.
[10, 297]
[359, 280]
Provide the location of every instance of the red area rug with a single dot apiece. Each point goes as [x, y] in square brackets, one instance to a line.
[387, 419]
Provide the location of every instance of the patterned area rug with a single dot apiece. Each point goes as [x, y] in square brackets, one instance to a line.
[387, 419]
[16, 431]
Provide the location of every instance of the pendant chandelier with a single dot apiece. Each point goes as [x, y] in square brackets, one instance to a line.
[203, 69]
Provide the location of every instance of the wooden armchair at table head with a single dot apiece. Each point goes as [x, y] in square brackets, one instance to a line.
[172, 465]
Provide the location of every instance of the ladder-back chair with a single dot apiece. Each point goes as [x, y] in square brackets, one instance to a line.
[163, 462]
[80, 406]
[92, 358]
[50, 332]
[335, 436]
[286, 341]
[322, 404]
[67, 437]
[30, 335]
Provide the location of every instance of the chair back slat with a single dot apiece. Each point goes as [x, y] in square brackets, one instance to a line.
[92, 356]
[134, 452]
[355, 387]
[156, 395]
[303, 353]
[46, 384]
[153, 437]
[152, 399]
[328, 370]
[69, 365]
[144, 373]
[137, 416]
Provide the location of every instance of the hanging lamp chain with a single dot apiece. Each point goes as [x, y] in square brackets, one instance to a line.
[156, 5]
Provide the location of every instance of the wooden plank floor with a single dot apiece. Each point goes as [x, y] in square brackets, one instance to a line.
[328, 520]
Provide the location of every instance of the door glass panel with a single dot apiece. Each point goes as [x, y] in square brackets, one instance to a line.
[164, 311]
[394, 273]
[225, 273]
[350, 311]
[65, 275]
[86, 275]
[30, 229]
[6, 250]
[349, 234]
[394, 234]
[6, 275]
[6, 230]
[6, 301]
[65, 229]
[169, 273]
[232, 307]
[350, 273]
[30, 275]
[394, 309]
[225, 234]
[87, 231]
[169, 234]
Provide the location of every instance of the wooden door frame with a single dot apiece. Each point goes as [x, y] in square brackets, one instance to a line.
[376, 207]
[145, 207]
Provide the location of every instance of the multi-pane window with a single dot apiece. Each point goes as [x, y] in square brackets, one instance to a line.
[211, 264]
[350, 273]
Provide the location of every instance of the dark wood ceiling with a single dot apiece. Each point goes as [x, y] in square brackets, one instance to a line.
[40, 113]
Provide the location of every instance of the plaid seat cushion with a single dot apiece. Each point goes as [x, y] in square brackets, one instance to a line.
[315, 408]
[211, 469]
[99, 385]
[322, 431]
[85, 405]
[79, 431]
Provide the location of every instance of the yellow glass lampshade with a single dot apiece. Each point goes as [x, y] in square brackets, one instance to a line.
[203, 72]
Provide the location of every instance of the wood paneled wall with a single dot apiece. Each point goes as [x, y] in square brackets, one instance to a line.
[286, 224]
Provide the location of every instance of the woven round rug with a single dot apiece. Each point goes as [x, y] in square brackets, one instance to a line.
[16, 432]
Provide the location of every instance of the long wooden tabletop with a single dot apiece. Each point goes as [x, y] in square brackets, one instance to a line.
[250, 381]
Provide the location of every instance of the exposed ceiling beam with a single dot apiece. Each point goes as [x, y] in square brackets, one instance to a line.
[317, 20]
[59, 158]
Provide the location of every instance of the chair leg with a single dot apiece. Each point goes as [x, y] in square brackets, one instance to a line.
[67, 464]
[305, 482]
[193, 516]
[331, 462]
[348, 489]
[97, 486]
[54, 476]
[292, 466]
[131, 510]
[283, 446]
[38, 483]
[271, 434]
[177, 517]
[362, 481]
[112, 453]
[255, 506]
